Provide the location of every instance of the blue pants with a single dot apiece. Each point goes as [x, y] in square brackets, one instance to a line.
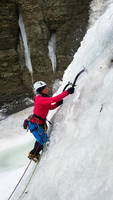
[38, 132]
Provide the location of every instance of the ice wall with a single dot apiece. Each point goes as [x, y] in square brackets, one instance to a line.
[78, 163]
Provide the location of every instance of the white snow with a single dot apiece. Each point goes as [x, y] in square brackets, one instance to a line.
[15, 144]
[97, 8]
[79, 160]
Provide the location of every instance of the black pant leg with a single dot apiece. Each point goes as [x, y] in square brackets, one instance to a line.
[37, 148]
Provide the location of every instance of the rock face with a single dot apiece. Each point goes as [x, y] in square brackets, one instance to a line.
[11, 81]
[67, 19]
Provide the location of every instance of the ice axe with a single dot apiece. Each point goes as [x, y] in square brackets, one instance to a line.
[76, 78]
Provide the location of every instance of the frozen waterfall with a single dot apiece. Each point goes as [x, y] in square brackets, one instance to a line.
[78, 162]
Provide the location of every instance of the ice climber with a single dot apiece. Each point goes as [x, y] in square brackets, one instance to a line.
[37, 123]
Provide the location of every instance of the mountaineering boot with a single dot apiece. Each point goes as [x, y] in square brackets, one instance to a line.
[33, 157]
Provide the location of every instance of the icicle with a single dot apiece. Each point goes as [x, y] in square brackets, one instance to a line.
[25, 42]
[52, 50]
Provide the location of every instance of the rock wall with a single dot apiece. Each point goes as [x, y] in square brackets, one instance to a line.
[11, 81]
[67, 18]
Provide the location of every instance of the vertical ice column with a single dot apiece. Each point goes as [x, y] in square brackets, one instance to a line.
[52, 50]
[25, 43]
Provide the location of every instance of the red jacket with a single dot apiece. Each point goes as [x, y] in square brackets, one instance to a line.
[42, 105]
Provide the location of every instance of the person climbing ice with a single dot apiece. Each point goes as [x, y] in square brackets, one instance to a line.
[37, 123]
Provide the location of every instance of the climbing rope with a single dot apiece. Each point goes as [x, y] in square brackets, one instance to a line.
[20, 180]
[22, 177]
[24, 190]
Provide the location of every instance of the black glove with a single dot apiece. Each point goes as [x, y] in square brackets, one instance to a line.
[71, 90]
[59, 102]
[25, 123]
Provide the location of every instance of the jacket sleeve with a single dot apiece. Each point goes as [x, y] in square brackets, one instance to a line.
[53, 106]
[49, 100]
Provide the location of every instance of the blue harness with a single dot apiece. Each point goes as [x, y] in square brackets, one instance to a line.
[38, 132]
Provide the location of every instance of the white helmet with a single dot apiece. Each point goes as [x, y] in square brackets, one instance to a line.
[38, 85]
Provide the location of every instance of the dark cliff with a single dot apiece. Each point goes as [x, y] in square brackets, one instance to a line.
[67, 19]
